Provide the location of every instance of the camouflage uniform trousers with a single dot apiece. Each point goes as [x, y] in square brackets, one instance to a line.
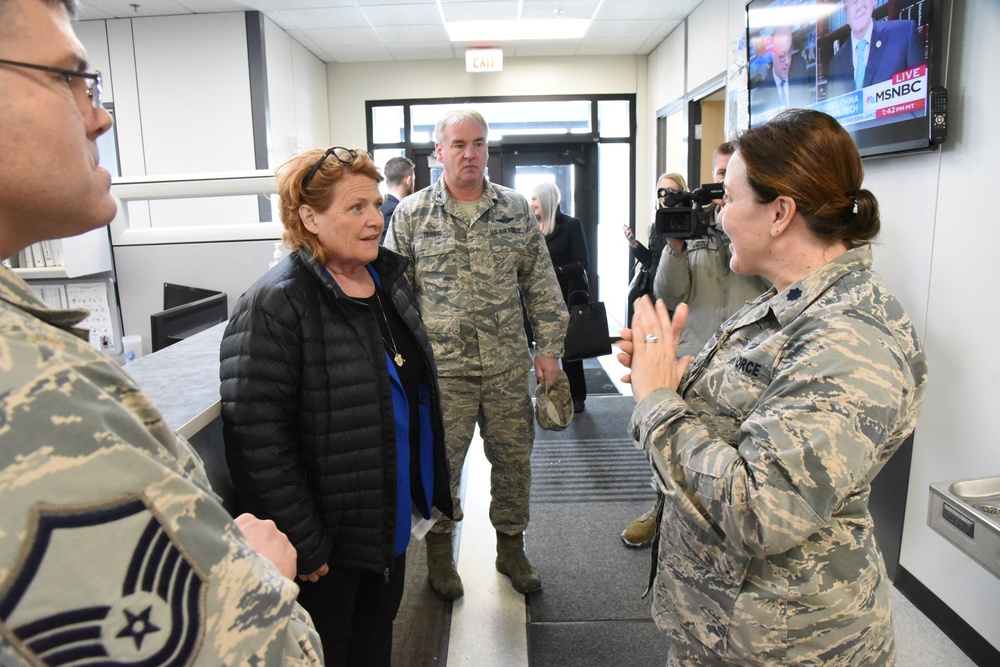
[877, 654]
[501, 405]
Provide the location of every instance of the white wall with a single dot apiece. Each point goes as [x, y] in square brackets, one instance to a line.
[666, 85]
[708, 50]
[297, 94]
[194, 118]
[142, 270]
[666, 66]
[955, 437]
[181, 90]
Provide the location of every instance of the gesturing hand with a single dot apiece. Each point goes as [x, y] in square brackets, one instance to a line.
[649, 348]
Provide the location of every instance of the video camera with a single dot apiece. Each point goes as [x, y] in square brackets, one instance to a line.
[681, 216]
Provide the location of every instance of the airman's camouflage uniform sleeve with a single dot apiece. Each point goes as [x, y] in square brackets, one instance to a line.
[110, 539]
[466, 276]
[766, 542]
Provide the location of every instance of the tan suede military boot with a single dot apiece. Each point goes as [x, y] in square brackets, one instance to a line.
[640, 532]
[441, 572]
[512, 562]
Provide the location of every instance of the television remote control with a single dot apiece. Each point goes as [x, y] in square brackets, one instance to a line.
[939, 114]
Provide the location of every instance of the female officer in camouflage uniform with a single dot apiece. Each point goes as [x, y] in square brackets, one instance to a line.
[765, 445]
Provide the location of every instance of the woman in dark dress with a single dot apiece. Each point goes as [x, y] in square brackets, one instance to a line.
[568, 250]
[648, 259]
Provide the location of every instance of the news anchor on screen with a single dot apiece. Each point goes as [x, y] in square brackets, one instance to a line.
[785, 84]
[876, 52]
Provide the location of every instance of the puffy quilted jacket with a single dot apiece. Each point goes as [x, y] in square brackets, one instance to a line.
[307, 412]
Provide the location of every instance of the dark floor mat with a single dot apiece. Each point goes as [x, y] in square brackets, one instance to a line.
[598, 382]
[588, 483]
[597, 644]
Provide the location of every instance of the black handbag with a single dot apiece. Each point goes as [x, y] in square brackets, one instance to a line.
[642, 283]
[587, 335]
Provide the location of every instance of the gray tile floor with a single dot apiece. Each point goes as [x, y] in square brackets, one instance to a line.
[919, 643]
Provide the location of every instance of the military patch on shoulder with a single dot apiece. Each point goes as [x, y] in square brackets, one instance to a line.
[107, 585]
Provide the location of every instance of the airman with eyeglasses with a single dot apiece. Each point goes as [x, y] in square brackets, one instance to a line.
[52, 116]
[91, 81]
[122, 475]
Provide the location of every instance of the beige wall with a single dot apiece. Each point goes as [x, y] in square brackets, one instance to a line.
[352, 84]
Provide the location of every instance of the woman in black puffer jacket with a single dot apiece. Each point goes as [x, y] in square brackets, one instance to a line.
[330, 404]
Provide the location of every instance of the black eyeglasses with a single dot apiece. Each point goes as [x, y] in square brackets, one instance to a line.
[343, 155]
[94, 81]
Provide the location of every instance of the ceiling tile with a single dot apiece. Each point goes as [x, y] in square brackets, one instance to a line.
[626, 29]
[487, 10]
[422, 14]
[329, 17]
[546, 48]
[308, 4]
[325, 37]
[396, 36]
[213, 6]
[86, 12]
[347, 53]
[413, 29]
[439, 51]
[123, 9]
[568, 9]
[610, 47]
[647, 10]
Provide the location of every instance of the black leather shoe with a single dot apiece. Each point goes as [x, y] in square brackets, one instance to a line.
[578, 405]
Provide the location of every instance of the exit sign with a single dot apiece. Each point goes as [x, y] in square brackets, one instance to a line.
[484, 60]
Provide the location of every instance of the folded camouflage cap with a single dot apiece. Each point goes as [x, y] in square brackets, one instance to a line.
[554, 407]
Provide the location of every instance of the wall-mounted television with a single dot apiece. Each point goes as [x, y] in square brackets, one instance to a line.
[874, 65]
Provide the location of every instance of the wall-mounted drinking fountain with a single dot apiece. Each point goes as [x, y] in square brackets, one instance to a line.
[967, 513]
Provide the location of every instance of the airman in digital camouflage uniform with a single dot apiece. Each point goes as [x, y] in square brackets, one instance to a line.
[766, 446]
[113, 547]
[472, 244]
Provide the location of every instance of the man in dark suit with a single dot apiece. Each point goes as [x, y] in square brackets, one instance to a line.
[785, 84]
[399, 181]
[876, 52]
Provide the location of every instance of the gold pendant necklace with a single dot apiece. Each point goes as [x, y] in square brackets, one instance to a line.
[396, 356]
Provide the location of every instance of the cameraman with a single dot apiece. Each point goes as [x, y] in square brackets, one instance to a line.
[696, 272]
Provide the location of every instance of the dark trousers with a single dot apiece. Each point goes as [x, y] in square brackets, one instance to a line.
[577, 382]
[353, 611]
